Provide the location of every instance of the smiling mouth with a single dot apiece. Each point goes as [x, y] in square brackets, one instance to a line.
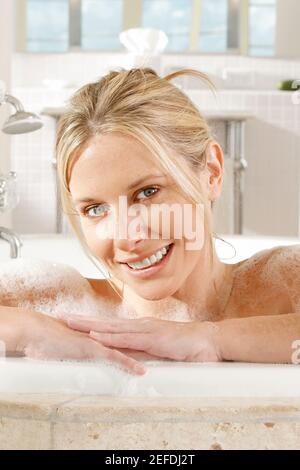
[152, 260]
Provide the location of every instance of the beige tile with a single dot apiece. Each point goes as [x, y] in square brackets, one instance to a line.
[103, 422]
[131, 436]
[35, 406]
[105, 408]
[24, 434]
[189, 435]
[260, 436]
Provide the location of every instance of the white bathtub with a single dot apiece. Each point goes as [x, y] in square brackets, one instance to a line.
[66, 249]
[163, 378]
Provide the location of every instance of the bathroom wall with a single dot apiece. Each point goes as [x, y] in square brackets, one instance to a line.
[272, 150]
[272, 145]
[6, 37]
[74, 68]
[287, 29]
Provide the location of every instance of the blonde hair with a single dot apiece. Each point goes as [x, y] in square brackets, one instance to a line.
[141, 104]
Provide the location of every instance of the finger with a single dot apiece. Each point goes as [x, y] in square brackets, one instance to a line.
[130, 364]
[66, 317]
[123, 340]
[87, 324]
[111, 325]
[136, 354]
[81, 325]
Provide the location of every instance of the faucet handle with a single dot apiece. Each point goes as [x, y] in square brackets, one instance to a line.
[9, 196]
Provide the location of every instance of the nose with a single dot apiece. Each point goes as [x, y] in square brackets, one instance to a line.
[132, 235]
[129, 245]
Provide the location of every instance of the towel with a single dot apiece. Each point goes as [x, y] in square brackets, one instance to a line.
[145, 46]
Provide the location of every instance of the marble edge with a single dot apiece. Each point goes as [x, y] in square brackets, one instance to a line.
[59, 407]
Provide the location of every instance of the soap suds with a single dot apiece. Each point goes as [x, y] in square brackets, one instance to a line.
[269, 278]
[284, 270]
[53, 288]
[251, 276]
[168, 310]
[48, 287]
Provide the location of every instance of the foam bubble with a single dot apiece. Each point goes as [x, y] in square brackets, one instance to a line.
[56, 288]
[273, 274]
[283, 268]
[168, 310]
[47, 287]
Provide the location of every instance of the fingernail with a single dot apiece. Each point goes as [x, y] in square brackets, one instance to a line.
[62, 316]
[139, 368]
[94, 334]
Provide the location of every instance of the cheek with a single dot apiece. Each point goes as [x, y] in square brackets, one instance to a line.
[99, 246]
[190, 260]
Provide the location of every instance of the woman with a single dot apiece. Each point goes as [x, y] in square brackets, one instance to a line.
[133, 137]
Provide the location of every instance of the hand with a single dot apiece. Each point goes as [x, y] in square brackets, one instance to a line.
[44, 337]
[194, 341]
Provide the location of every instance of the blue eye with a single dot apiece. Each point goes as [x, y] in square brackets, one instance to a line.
[88, 209]
[146, 190]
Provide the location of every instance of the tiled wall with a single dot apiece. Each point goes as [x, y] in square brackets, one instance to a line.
[272, 150]
[31, 158]
[272, 198]
[30, 70]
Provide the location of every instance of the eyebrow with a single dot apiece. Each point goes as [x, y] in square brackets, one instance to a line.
[132, 185]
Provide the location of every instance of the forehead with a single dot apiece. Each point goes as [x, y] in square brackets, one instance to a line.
[111, 159]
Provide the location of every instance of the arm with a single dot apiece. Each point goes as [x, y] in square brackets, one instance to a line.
[260, 339]
[268, 338]
[11, 327]
[251, 339]
[36, 335]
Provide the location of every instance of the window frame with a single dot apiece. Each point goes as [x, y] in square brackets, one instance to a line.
[132, 17]
[252, 3]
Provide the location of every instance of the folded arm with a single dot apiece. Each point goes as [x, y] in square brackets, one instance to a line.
[35, 335]
[271, 338]
[250, 339]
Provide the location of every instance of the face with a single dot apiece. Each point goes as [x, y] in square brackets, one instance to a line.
[115, 165]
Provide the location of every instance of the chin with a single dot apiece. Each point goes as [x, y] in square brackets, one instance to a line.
[155, 293]
[154, 296]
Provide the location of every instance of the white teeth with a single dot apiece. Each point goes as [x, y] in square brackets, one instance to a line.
[152, 260]
[146, 262]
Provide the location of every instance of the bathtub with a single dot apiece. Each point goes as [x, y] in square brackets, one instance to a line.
[67, 249]
[163, 378]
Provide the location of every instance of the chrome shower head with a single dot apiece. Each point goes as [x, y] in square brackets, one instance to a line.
[21, 121]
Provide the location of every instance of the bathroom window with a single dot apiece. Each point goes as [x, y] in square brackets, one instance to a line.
[58, 25]
[262, 24]
[204, 26]
[101, 23]
[47, 31]
[96, 24]
[173, 17]
[213, 26]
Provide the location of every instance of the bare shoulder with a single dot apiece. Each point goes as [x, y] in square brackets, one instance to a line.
[284, 263]
[272, 276]
[103, 289]
[280, 260]
[30, 280]
[288, 256]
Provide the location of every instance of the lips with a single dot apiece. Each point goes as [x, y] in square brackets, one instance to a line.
[152, 260]
[144, 256]
[147, 272]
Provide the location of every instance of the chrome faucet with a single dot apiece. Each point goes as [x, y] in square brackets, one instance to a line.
[19, 123]
[14, 241]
